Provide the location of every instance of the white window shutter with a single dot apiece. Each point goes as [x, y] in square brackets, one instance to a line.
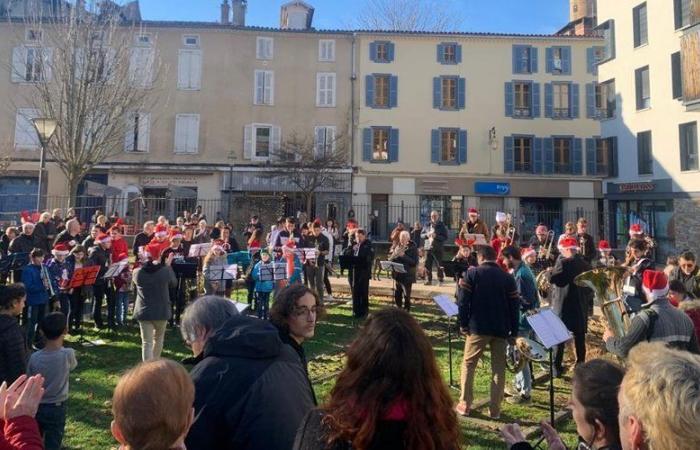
[269, 88]
[248, 142]
[330, 86]
[330, 138]
[129, 132]
[196, 70]
[19, 64]
[319, 135]
[47, 63]
[193, 134]
[276, 140]
[259, 48]
[144, 132]
[259, 90]
[180, 133]
[183, 69]
[320, 86]
[269, 50]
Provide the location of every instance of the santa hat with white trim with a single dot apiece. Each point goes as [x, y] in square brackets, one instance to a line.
[568, 244]
[636, 230]
[161, 230]
[60, 249]
[175, 233]
[655, 284]
[103, 238]
[526, 252]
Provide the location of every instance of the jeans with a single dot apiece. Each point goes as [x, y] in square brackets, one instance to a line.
[435, 256]
[152, 335]
[262, 300]
[523, 379]
[122, 306]
[100, 291]
[314, 275]
[474, 347]
[52, 422]
[34, 315]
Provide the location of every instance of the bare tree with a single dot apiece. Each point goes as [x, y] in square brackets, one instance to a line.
[410, 15]
[94, 74]
[310, 165]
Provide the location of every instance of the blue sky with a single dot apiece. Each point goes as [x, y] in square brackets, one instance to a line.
[511, 16]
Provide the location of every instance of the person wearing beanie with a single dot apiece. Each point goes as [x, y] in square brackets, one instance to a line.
[100, 255]
[658, 321]
[263, 287]
[475, 225]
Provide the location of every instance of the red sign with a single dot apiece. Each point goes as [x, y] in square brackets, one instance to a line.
[636, 187]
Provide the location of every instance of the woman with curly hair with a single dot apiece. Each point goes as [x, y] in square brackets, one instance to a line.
[389, 396]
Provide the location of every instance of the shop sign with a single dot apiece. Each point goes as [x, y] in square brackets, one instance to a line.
[491, 188]
[168, 180]
[635, 187]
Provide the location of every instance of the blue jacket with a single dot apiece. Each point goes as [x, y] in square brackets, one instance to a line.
[36, 291]
[56, 269]
[527, 288]
[262, 286]
[296, 276]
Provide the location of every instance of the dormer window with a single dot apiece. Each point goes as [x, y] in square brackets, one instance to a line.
[190, 40]
[143, 40]
[33, 35]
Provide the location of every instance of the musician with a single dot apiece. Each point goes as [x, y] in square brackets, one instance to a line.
[144, 237]
[58, 274]
[36, 282]
[569, 232]
[585, 240]
[415, 234]
[57, 219]
[498, 243]
[394, 236]
[529, 257]
[658, 321]
[502, 222]
[230, 242]
[289, 232]
[465, 256]
[315, 269]
[475, 225]
[24, 243]
[637, 261]
[216, 257]
[405, 253]
[201, 235]
[255, 240]
[435, 235]
[606, 258]
[71, 234]
[99, 255]
[688, 273]
[253, 225]
[89, 241]
[120, 249]
[362, 272]
[187, 239]
[569, 301]
[161, 237]
[76, 260]
[45, 233]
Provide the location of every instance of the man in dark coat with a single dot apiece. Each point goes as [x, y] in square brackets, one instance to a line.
[586, 242]
[361, 273]
[13, 345]
[45, 233]
[24, 243]
[71, 235]
[569, 301]
[435, 234]
[143, 238]
[688, 273]
[100, 256]
[251, 390]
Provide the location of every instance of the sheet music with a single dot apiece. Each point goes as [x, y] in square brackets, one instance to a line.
[197, 250]
[549, 328]
[396, 267]
[221, 272]
[280, 271]
[267, 272]
[241, 307]
[447, 305]
[115, 269]
[479, 239]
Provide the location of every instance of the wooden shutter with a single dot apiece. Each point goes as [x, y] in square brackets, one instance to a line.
[537, 149]
[441, 53]
[144, 142]
[535, 100]
[373, 51]
[590, 101]
[461, 93]
[462, 147]
[390, 51]
[393, 91]
[566, 60]
[367, 144]
[437, 92]
[591, 159]
[181, 129]
[184, 61]
[550, 59]
[533, 60]
[458, 53]
[590, 61]
[509, 99]
[435, 146]
[577, 158]
[129, 134]
[516, 58]
[248, 142]
[548, 100]
[275, 141]
[269, 87]
[393, 144]
[574, 100]
[508, 161]
[548, 154]
[19, 64]
[320, 140]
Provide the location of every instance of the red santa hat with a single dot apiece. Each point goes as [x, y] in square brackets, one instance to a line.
[175, 233]
[473, 211]
[352, 224]
[153, 250]
[636, 230]
[655, 284]
[218, 245]
[103, 238]
[604, 245]
[527, 252]
[161, 230]
[118, 226]
[568, 244]
[60, 249]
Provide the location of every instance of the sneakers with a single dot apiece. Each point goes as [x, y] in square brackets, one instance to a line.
[511, 391]
[519, 399]
[328, 298]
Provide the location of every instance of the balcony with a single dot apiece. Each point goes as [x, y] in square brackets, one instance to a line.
[690, 58]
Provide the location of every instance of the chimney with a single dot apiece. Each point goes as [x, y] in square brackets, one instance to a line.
[239, 10]
[225, 13]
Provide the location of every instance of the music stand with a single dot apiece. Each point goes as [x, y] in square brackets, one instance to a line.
[199, 250]
[115, 269]
[184, 270]
[267, 272]
[14, 262]
[347, 262]
[550, 331]
[280, 271]
[451, 310]
[84, 277]
[455, 268]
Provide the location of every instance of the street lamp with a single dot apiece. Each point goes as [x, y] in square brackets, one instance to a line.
[45, 128]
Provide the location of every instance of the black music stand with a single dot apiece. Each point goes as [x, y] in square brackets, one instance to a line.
[455, 269]
[14, 262]
[184, 270]
[394, 268]
[451, 310]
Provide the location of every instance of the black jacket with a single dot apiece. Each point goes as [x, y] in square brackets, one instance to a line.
[22, 244]
[140, 240]
[286, 338]
[568, 299]
[409, 261]
[312, 435]
[691, 282]
[65, 237]
[364, 253]
[251, 392]
[44, 235]
[440, 233]
[99, 257]
[588, 251]
[13, 349]
[490, 304]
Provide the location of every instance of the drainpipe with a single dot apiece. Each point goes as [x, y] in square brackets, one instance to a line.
[353, 79]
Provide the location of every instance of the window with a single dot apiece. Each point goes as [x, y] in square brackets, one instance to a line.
[606, 157]
[559, 60]
[522, 154]
[605, 102]
[138, 130]
[143, 40]
[381, 51]
[522, 99]
[448, 145]
[33, 65]
[380, 144]
[606, 30]
[689, 145]
[324, 141]
[449, 93]
[676, 76]
[326, 50]
[644, 159]
[641, 79]
[33, 35]
[264, 87]
[26, 137]
[524, 59]
[189, 70]
[639, 18]
[264, 48]
[562, 155]
[449, 53]
[186, 133]
[682, 13]
[594, 55]
[262, 142]
[560, 100]
[141, 67]
[381, 91]
[190, 40]
[325, 89]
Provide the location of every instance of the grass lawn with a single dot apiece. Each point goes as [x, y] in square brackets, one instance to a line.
[99, 367]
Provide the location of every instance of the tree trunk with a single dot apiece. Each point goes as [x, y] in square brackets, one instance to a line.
[73, 183]
[309, 200]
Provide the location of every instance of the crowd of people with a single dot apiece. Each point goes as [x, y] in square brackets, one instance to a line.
[249, 385]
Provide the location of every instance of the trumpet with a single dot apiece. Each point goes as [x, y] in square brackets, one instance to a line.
[582, 244]
[546, 247]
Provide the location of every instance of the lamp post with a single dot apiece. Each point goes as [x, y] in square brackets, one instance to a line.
[45, 129]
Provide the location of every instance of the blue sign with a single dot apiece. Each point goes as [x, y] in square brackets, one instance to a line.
[491, 188]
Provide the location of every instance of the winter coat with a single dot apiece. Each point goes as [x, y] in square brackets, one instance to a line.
[140, 240]
[57, 271]
[36, 291]
[22, 244]
[119, 250]
[262, 286]
[44, 235]
[65, 237]
[568, 300]
[13, 349]
[478, 227]
[691, 282]
[152, 282]
[100, 257]
[20, 433]
[409, 261]
[692, 309]
[251, 392]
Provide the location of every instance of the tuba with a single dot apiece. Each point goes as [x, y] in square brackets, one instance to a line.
[523, 351]
[606, 283]
[544, 286]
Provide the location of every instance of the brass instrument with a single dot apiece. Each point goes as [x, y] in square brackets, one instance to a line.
[397, 252]
[582, 241]
[524, 350]
[544, 286]
[606, 283]
[510, 231]
[46, 279]
[546, 247]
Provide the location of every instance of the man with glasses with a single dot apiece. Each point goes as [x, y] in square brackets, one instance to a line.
[688, 273]
[585, 241]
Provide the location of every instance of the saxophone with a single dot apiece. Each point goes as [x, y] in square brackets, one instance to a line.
[397, 252]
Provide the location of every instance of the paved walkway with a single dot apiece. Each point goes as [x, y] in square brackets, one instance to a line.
[385, 287]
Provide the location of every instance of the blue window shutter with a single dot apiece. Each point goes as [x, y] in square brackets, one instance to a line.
[574, 103]
[373, 51]
[577, 160]
[566, 60]
[367, 144]
[435, 146]
[590, 100]
[535, 100]
[393, 91]
[548, 153]
[590, 157]
[537, 157]
[461, 93]
[548, 99]
[462, 147]
[550, 59]
[393, 145]
[390, 51]
[437, 92]
[590, 60]
[516, 58]
[369, 91]
[441, 53]
[508, 166]
[509, 99]
[458, 53]
[533, 60]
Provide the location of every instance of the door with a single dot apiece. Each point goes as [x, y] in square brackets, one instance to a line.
[379, 216]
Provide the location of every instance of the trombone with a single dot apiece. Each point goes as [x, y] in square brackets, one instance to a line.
[546, 247]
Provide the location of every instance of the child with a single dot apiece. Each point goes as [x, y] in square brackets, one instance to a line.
[54, 363]
[262, 288]
[213, 264]
[76, 260]
[37, 285]
[606, 258]
[58, 271]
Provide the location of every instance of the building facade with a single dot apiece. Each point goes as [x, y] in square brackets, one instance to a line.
[651, 120]
[496, 122]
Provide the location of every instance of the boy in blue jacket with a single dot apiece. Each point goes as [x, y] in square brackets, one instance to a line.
[262, 288]
[37, 285]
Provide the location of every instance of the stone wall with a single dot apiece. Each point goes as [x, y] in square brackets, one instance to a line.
[687, 224]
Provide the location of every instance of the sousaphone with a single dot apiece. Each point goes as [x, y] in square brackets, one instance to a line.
[607, 283]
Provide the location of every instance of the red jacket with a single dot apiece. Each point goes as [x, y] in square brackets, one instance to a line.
[20, 433]
[692, 309]
[120, 250]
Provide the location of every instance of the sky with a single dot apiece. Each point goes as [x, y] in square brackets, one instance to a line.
[504, 16]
